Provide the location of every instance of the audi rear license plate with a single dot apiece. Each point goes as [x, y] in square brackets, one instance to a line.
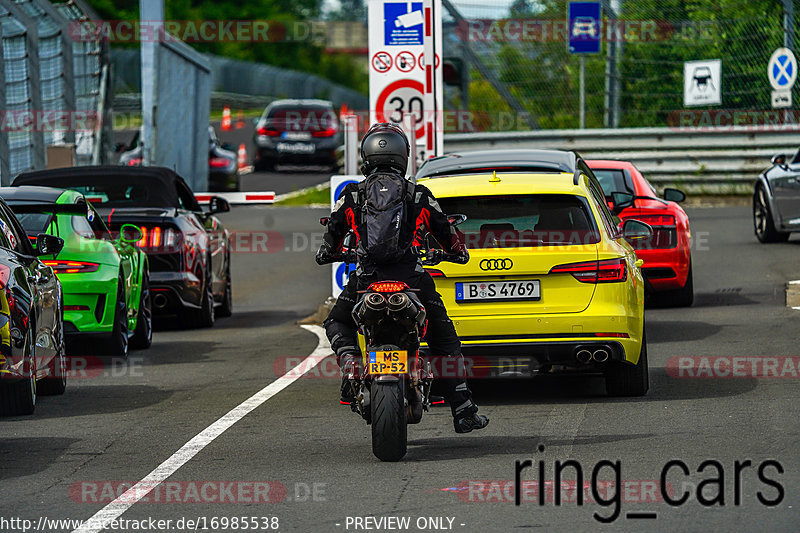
[388, 362]
[495, 291]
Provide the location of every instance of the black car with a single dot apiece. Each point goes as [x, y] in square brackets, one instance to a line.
[303, 132]
[188, 249]
[223, 162]
[32, 359]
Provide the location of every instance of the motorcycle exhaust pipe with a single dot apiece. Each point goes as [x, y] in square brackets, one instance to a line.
[398, 301]
[600, 355]
[583, 356]
[375, 301]
[160, 301]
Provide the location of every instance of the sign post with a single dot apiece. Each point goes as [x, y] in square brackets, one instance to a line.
[584, 38]
[398, 83]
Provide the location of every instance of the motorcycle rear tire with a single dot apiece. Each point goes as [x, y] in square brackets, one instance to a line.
[389, 429]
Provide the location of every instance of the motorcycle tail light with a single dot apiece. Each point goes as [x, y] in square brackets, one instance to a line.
[607, 271]
[388, 286]
[71, 267]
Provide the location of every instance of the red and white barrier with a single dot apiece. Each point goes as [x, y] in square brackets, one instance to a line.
[238, 198]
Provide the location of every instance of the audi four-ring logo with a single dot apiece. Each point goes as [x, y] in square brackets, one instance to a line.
[496, 264]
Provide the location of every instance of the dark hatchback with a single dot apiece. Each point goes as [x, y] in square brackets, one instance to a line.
[300, 132]
[188, 249]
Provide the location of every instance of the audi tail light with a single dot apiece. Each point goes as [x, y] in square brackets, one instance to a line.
[218, 162]
[606, 271]
[71, 267]
[388, 286]
[163, 239]
[435, 273]
[268, 132]
[327, 132]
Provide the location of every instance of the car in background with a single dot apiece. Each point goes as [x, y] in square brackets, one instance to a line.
[303, 132]
[552, 284]
[776, 200]
[223, 163]
[105, 280]
[667, 254]
[32, 358]
[188, 249]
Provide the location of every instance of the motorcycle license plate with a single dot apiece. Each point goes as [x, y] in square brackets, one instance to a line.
[388, 362]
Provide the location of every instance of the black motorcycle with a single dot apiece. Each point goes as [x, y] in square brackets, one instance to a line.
[394, 388]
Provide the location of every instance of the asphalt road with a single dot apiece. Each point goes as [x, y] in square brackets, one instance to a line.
[123, 420]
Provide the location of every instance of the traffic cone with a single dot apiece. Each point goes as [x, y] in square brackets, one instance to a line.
[242, 156]
[239, 120]
[226, 118]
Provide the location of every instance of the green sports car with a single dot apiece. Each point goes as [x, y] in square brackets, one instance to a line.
[105, 279]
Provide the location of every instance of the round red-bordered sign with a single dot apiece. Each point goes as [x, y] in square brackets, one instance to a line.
[421, 61]
[382, 62]
[404, 96]
[405, 61]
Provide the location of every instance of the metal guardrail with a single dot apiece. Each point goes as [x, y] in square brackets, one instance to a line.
[722, 161]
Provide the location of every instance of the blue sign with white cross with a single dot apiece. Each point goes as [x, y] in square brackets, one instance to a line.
[782, 69]
[584, 27]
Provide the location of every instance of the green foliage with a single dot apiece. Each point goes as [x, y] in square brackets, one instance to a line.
[285, 17]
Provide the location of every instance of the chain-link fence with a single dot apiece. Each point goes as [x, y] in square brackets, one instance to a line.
[52, 89]
[519, 73]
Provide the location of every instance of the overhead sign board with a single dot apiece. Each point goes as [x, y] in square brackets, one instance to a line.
[584, 27]
[702, 82]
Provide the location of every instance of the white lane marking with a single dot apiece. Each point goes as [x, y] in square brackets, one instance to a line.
[163, 471]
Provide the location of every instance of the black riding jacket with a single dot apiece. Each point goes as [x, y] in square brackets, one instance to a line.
[425, 215]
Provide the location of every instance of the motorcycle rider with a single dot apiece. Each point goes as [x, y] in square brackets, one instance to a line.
[385, 150]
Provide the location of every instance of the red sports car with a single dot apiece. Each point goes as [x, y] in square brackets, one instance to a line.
[667, 254]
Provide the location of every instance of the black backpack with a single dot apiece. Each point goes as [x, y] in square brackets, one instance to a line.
[385, 201]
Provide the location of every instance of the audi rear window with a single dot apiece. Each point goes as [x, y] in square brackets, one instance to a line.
[302, 118]
[515, 221]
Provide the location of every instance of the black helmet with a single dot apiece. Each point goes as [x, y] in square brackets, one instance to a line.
[384, 145]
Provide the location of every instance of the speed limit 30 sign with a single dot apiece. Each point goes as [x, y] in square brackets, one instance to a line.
[400, 98]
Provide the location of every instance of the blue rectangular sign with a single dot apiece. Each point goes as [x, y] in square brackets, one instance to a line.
[584, 27]
[402, 23]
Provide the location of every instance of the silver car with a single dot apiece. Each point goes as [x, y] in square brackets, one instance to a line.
[776, 200]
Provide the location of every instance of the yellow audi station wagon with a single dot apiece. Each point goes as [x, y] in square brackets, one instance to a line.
[552, 283]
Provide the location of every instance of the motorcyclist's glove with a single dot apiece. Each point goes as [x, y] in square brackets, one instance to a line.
[324, 254]
[461, 257]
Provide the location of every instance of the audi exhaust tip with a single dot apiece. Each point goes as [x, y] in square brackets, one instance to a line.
[583, 356]
[600, 355]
